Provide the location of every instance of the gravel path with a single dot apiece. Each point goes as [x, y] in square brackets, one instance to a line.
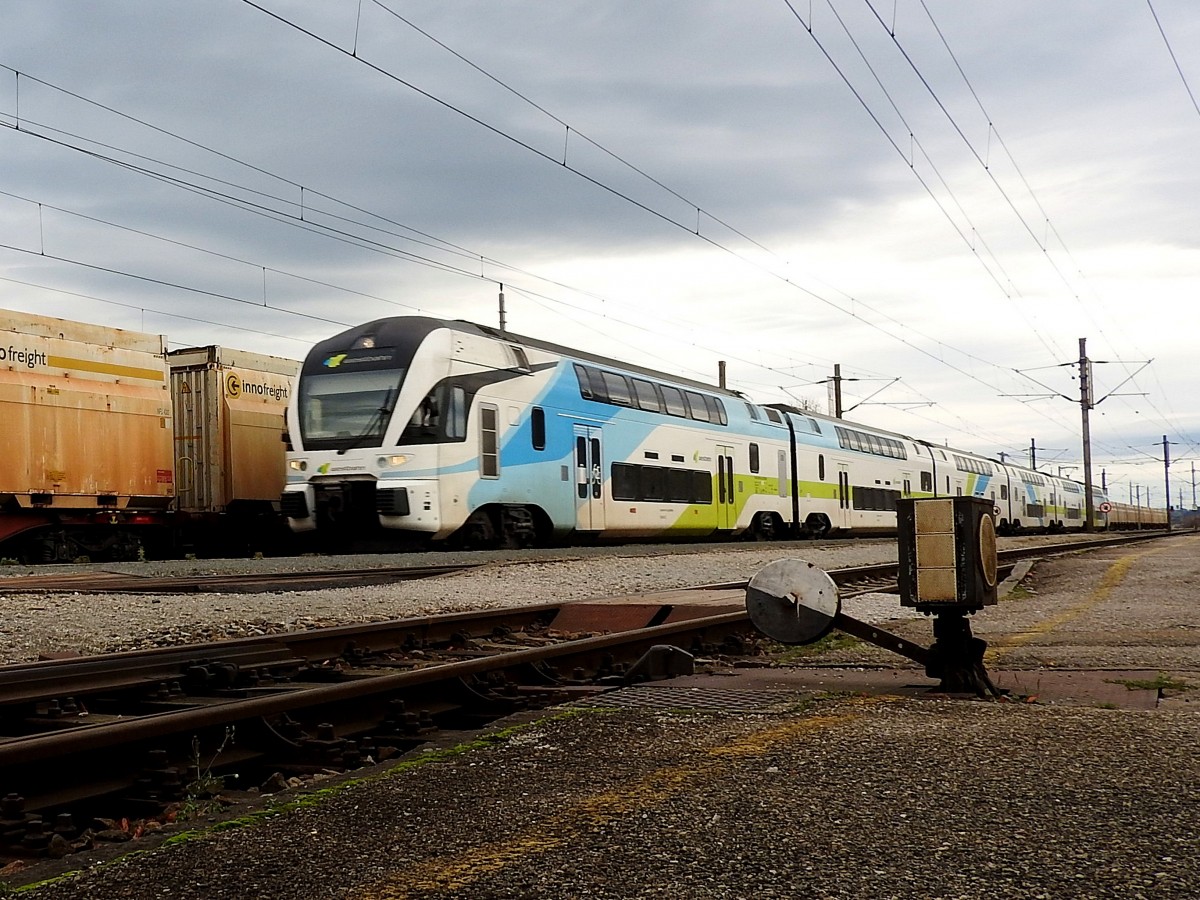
[849, 798]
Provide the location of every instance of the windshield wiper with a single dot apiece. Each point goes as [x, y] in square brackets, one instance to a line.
[378, 420]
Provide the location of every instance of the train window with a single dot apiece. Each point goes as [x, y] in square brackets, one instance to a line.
[783, 474]
[647, 396]
[927, 482]
[716, 410]
[676, 457]
[455, 419]
[617, 388]
[805, 424]
[585, 382]
[654, 483]
[697, 408]
[754, 458]
[821, 466]
[489, 441]
[673, 400]
[679, 486]
[626, 481]
[1004, 492]
[537, 428]
[701, 487]
[651, 454]
[774, 416]
[753, 411]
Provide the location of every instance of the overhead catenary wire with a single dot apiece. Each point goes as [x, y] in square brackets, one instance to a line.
[302, 205]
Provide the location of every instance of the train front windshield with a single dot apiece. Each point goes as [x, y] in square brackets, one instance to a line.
[345, 408]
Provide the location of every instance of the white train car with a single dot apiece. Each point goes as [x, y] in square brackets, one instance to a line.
[438, 430]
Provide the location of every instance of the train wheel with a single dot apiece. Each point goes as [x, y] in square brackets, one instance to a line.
[765, 527]
[517, 528]
[817, 526]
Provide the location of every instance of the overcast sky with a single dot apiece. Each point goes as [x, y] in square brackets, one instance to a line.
[780, 186]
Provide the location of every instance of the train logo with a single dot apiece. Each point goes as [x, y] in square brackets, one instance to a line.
[233, 385]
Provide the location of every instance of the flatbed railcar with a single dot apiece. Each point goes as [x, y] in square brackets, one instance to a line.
[114, 448]
[438, 431]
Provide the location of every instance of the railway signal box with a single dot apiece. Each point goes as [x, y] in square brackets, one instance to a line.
[947, 553]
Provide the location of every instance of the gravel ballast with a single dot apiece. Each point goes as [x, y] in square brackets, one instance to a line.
[58, 622]
[875, 795]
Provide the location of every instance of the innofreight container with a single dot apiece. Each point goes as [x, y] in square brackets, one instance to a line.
[229, 428]
[85, 428]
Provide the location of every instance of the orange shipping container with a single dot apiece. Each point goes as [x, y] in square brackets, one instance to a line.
[229, 424]
[85, 416]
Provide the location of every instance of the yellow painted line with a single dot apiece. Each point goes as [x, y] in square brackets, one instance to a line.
[1112, 579]
[454, 875]
[90, 365]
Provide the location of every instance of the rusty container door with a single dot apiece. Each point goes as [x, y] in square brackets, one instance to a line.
[230, 423]
[197, 429]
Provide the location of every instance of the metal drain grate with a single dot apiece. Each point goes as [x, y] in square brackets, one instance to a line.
[650, 696]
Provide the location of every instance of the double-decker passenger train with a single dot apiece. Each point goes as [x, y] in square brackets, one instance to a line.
[451, 430]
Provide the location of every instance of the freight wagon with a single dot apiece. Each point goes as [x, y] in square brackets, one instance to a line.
[113, 448]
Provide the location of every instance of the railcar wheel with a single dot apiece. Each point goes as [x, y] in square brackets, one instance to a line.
[817, 526]
[765, 527]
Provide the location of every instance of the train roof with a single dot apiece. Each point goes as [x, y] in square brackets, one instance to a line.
[408, 331]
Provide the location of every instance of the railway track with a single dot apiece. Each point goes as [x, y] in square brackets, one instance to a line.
[97, 582]
[124, 735]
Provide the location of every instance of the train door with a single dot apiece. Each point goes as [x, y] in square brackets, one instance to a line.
[589, 478]
[844, 498]
[725, 496]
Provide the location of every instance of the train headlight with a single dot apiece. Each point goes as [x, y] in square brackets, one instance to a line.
[298, 465]
[387, 462]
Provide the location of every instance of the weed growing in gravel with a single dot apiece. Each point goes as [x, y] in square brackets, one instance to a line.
[787, 654]
[203, 790]
[1162, 682]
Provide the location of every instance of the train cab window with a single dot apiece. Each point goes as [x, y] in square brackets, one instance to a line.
[489, 441]
[585, 382]
[673, 400]
[646, 395]
[697, 408]
[821, 466]
[617, 388]
[537, 428]
[754, 459]
[455, 415]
